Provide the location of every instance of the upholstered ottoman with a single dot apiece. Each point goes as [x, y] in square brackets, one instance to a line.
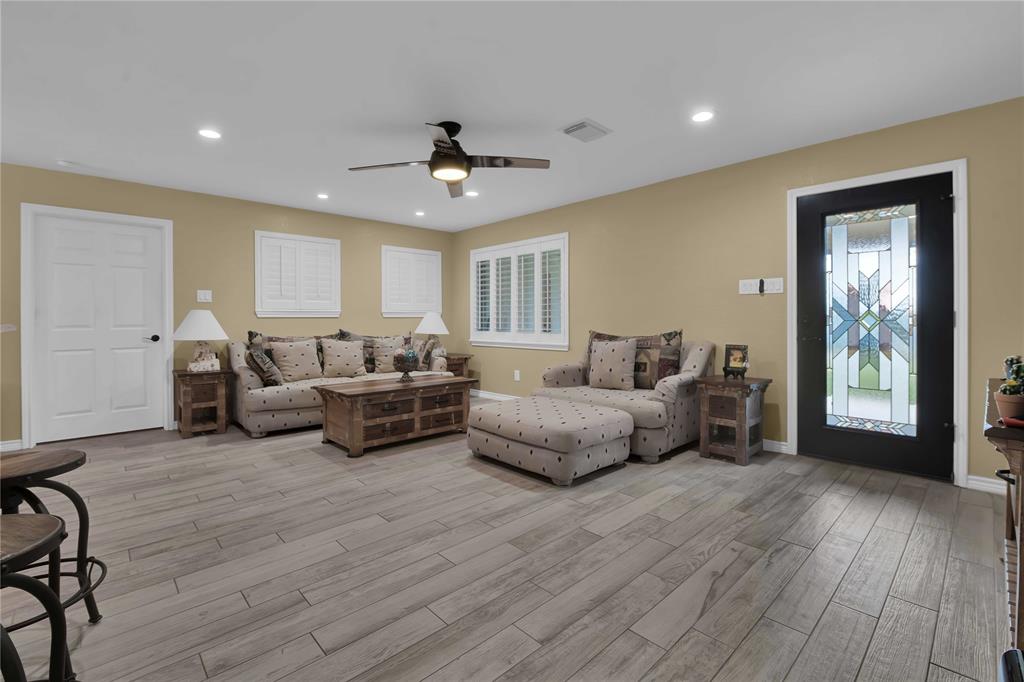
[559, 439]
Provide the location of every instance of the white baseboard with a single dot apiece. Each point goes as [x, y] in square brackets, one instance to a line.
[8, 445]
[477, 393]
[778, 446]
[986, 484]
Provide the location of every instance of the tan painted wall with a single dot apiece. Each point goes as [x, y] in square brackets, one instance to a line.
[669, 255]
[213, 249]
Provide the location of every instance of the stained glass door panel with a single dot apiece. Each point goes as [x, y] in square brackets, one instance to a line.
[871, 332]
[874, 303]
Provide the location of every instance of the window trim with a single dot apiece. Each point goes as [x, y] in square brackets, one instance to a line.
[335, 246]
[385, 249]
[536, 340]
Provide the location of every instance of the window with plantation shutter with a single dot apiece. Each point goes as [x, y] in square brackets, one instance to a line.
[410, 282]
[519, 294]
[297, 276]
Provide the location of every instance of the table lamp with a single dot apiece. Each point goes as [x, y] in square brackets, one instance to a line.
[201, 326]
[432, 325]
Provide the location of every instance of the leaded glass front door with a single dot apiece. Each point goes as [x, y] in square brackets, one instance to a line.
[875, 353]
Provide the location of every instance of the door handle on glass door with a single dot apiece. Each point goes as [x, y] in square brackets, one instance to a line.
[154, 338]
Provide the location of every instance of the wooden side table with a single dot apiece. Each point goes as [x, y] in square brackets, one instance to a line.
[730, 417]
[1009, 441]
[201, 401]
[458, 364]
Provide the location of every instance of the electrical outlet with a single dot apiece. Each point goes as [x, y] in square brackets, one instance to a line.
[204, 296]
[515, 375]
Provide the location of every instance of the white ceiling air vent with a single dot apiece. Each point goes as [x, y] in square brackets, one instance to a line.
[586, 130]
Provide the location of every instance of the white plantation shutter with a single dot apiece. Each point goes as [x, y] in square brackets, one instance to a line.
[410, 282]
[519, 294]
[297, 276]
[482, 297]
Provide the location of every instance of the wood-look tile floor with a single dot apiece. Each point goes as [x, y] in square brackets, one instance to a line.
[282, 559]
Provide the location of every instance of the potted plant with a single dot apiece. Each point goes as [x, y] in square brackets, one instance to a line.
[1010, 396]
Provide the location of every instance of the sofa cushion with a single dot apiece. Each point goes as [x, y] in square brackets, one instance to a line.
[368, 341]
[384, 349]
[557, 425]
[657, 356]
[424, 350]
[300, 394]
[342, 358]
[297, 360]
[611, 364]
[643, 405]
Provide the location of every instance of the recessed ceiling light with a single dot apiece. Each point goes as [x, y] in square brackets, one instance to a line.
[420, 213]
[210, 133]
[322, 196]
[472, 194]
[65, 163]
[702, 116]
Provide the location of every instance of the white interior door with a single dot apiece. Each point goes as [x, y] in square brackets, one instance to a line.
[99, 337]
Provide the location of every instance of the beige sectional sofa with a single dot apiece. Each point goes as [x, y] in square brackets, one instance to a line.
[261, 409]
[664, 417]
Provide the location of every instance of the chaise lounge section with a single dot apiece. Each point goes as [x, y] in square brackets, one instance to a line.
[664, 417]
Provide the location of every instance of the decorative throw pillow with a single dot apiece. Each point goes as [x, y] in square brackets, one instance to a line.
[265, 369]
[424, 349]
[657, 356]
[368, 341]
[297, 360]
[263, 341]
[343, 358]
[611, 364]
[384, 349]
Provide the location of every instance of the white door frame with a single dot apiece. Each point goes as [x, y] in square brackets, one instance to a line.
[29, 213]
[960, 298]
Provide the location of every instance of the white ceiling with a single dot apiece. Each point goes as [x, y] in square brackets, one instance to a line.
[301, 91]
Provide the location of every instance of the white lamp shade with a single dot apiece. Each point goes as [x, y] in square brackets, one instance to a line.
[200, 325]
[431, 324]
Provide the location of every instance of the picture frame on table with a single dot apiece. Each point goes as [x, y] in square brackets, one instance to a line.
[737, 360]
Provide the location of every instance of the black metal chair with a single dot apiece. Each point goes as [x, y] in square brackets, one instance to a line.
[24, 540]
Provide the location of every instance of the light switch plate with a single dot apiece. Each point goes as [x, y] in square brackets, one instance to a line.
[204, 296]
[749, 286]
[773, 285]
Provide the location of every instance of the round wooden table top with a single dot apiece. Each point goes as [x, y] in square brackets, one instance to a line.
[25, 466]
[24, 538]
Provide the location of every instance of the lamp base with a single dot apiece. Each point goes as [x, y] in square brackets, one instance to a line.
[204, 359]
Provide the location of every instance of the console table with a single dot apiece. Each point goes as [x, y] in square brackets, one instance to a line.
[1010, 442]
[364, 414]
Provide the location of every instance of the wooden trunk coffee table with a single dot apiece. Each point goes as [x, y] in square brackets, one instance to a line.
[365, 414]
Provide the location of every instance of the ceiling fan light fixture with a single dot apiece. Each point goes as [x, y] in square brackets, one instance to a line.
[450, 174]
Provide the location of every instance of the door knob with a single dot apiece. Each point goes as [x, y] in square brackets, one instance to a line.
[154, 338]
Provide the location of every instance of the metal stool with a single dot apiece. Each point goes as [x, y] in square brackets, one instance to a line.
[26, 469]
[24, 540]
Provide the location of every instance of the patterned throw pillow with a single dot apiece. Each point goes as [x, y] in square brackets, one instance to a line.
[263, 341]
[611, 364]
[368, 341]
[297, 360]
[343, 358]
[424, 349]
[657, 356]
[265, 369]
[384, 349]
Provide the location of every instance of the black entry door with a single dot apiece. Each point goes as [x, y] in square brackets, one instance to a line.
[875, 325]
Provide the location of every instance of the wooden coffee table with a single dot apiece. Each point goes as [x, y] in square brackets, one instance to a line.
[365, 414]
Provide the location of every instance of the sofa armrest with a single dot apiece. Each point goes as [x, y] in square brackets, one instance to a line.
[570, 374]
[438, 363]
[670, 388]
[247, 379]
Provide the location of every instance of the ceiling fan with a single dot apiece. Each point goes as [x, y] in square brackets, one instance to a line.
[451, 165]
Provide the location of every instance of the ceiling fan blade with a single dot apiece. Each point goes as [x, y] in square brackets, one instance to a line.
[442, 143]
[390, 165]
[507, 162]
[455, 190]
